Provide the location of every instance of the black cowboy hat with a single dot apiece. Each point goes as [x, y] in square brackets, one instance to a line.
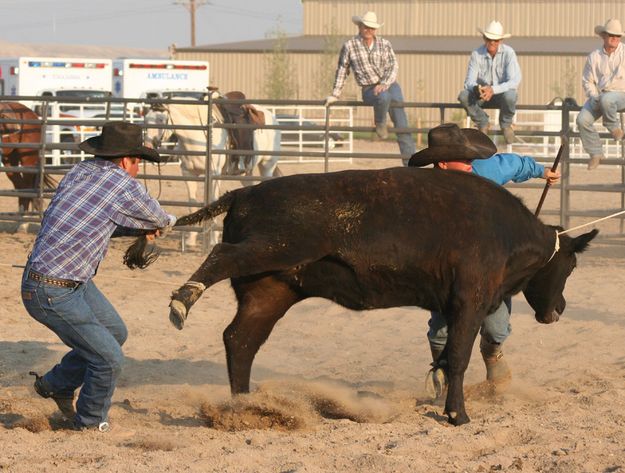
[119, 139]
[448, 142]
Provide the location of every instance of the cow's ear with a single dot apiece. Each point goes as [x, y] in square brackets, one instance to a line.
[581, 242]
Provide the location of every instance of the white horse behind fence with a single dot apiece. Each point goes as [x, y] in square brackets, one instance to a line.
[195, 141]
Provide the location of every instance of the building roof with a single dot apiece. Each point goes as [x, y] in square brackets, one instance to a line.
[415, 44]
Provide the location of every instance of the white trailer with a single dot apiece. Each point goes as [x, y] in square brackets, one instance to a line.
[156, 78]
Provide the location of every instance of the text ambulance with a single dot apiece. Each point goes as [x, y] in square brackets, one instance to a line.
[157, 78]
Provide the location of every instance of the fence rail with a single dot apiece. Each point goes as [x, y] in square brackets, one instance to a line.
[541, 129]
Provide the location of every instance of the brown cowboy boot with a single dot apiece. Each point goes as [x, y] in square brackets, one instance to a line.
[65, 402]
[497, 371]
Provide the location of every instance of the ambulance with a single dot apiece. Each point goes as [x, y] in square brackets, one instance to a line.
[63, 78]
[56, 77]
[159, 78]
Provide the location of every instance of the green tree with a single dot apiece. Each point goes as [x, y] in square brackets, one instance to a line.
[567, 85]
[280, 80]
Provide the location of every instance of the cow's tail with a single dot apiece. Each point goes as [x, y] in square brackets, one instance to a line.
[141, 254]
[209, 212]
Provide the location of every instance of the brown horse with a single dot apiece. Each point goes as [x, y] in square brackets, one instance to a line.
[21, 133]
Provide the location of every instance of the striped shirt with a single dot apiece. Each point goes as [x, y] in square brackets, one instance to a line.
[502, 72]
[93, 200]
[371, 66]
[604, 72]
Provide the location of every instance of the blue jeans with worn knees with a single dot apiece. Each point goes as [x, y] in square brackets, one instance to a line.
[505, 102]
[86, 322]
[382, 106]
[611, 103]
[608, 105]
[495, 328]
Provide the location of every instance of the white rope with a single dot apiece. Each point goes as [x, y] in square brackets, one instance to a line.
[590, 223]
[196, 284]
[556, 247]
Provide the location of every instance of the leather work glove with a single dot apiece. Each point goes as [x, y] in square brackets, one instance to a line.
[330, 99]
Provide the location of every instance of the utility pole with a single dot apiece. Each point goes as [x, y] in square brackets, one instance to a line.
[192, 6]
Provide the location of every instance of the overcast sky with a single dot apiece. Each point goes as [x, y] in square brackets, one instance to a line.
[144, 23]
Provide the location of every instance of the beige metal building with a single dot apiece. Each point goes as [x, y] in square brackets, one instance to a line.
[432, 39]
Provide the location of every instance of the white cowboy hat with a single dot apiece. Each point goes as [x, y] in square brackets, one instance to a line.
[494, 30]
[611, 26]
[369, 19]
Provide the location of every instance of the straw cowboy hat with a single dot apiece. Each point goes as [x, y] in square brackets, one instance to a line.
[448, 142]
[494, 30]
[612, 26]
[119, 139]
[369, 19]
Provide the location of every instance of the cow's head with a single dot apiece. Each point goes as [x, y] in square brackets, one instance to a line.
[544, 290]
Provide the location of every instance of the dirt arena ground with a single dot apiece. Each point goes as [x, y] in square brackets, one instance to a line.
[335, 390]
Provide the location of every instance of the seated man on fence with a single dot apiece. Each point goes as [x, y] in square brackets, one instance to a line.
[493, 77]
[604, 84]
[375, 69]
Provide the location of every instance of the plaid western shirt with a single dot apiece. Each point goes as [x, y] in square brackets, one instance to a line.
[93, 200]
[371, 66]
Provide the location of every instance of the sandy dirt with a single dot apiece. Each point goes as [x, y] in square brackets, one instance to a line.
[334, 390]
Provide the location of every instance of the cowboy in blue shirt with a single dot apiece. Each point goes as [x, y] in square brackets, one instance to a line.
[97, 199]
[469, 150]
[493, 77]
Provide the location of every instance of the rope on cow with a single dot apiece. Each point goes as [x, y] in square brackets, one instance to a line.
[196, 284]
[556, 247]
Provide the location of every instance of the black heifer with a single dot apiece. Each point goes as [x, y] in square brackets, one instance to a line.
[444, 241]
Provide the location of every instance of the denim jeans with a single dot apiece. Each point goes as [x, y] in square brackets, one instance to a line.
[505, 102]
[495, 328]
[382, 106]
[608, 105]
[87, 323]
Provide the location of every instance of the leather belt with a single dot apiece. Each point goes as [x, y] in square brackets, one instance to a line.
[35, 276]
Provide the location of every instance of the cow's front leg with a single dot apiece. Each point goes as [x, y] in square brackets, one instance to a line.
[463, 328]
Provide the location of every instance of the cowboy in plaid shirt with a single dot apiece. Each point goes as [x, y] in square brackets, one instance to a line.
[98, 199]
[375, 69]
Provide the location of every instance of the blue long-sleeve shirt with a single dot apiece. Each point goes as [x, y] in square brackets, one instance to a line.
[505, 167]
[501, 72]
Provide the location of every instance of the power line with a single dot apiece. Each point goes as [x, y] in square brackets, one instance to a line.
[84, 18]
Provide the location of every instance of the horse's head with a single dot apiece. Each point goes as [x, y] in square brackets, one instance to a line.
[155, 135]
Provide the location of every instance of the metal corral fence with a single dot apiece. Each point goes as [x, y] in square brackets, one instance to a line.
[541, 130]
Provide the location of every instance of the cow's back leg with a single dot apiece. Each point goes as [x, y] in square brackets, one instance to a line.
[463, 328]
[227, 260]
[261, 304]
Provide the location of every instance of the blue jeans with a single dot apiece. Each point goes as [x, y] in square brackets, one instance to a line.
[382, 107]
[495, 328]
[608, 105]
[505, 102]
[87, 323]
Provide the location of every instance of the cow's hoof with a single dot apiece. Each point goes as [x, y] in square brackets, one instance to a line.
[455, 418]
[177, 313]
